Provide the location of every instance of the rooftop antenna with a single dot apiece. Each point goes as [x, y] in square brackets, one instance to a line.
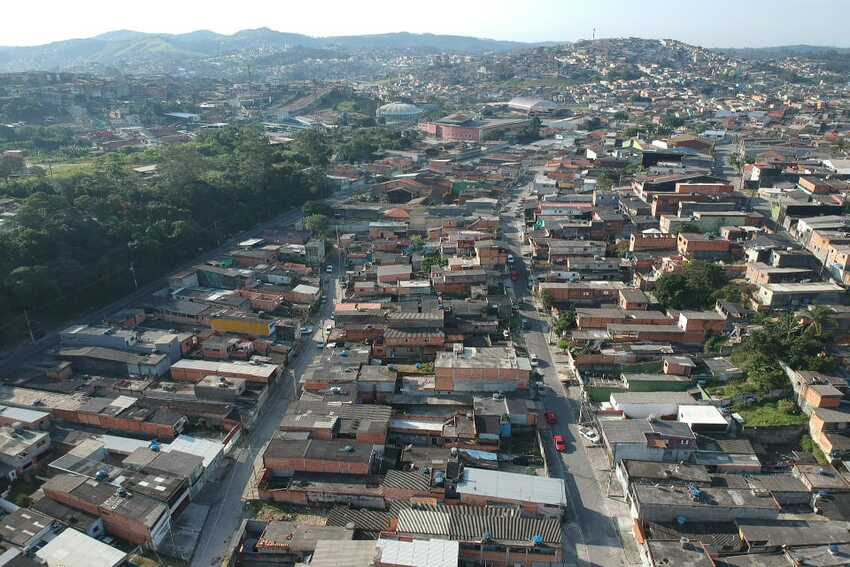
[594, 33]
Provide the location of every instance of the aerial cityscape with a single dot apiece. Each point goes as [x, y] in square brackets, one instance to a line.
[391, 298]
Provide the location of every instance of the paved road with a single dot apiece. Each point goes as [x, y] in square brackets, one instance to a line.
[226, 497]
[591, 536]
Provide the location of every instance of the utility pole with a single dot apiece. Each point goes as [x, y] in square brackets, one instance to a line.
[29, 327]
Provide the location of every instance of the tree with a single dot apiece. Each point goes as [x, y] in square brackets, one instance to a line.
[317, 208]
[417, 242]
[691, 287]
[566, 321]
[317, 224]
[547, 299]
[621, 115]
[564, 344]
[312, 146]
[433, 260]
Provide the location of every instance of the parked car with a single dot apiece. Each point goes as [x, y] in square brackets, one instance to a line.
[590, 434]
[510, 258]
[533, 359]
[329, 269]
[551, 418]
[306, 330]
[560, 444]
[506, 334]
[514, 275]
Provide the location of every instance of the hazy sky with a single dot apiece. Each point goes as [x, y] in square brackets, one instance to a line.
[711, 23]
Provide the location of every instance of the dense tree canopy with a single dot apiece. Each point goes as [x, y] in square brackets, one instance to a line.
[75, 238]
[693, 287]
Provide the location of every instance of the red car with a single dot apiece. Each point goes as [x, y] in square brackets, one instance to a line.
[551, 418]
[560, 444]
[514, 276]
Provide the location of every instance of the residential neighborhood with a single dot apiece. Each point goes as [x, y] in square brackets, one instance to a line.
[558, 305]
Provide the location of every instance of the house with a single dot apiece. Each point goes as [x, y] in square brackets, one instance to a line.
[795, 295]
[512, 539]
[647, 440]
[481, 369]
[135, 518]
[702, 247]
[664, 502]
[315, 251]
[243, 324]
[26, 528]
[118, 363]
[318, 456]
[190, 370]
[21, 448]
[587, 292]
[640, 405]
[303, 294]
[534, 495]
[72, 548]
[406, 552]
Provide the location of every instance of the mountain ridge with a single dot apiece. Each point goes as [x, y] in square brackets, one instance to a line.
[129, 47]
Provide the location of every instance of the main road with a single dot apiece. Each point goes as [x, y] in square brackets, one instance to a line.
[225, 497]
[591, 535]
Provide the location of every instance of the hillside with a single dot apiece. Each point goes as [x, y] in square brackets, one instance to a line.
[133, 50]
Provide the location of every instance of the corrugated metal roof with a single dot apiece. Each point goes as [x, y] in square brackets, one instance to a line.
[363, 520]
[464, 523]
[407, 480]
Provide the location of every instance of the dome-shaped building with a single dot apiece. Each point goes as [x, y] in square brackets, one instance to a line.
[395, 112]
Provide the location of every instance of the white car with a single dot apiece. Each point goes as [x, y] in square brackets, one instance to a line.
[306, 330]
[590, 434]
[506, 333]
[533, 360]
[329, 269]
[510, 258]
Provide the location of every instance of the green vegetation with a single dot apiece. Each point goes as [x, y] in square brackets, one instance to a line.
[547, 299]
[434, 260]
[566, 321]
[781, 413]
[364, 143]
[76, 238]
[317, 224]
[809, 446]
[21, 489]
[693, 287]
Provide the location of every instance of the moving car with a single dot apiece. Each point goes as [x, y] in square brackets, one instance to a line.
[514, 275]
[329, 269]
[533, 359]
[506, 333]
[510, 258]
[306, 330]
[551, 418]
[560, 444]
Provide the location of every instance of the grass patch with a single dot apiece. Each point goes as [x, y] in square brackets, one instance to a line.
[809, 446]
[781, 413]
[731, 389]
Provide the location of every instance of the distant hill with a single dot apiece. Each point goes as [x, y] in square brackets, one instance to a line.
[809, 51]
[133, 50]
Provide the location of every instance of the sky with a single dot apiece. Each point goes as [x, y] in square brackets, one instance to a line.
[709, 23]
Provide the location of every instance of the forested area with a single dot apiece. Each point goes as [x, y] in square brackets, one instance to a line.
[76, 237]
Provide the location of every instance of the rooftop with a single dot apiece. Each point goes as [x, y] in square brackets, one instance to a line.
[513, 486]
